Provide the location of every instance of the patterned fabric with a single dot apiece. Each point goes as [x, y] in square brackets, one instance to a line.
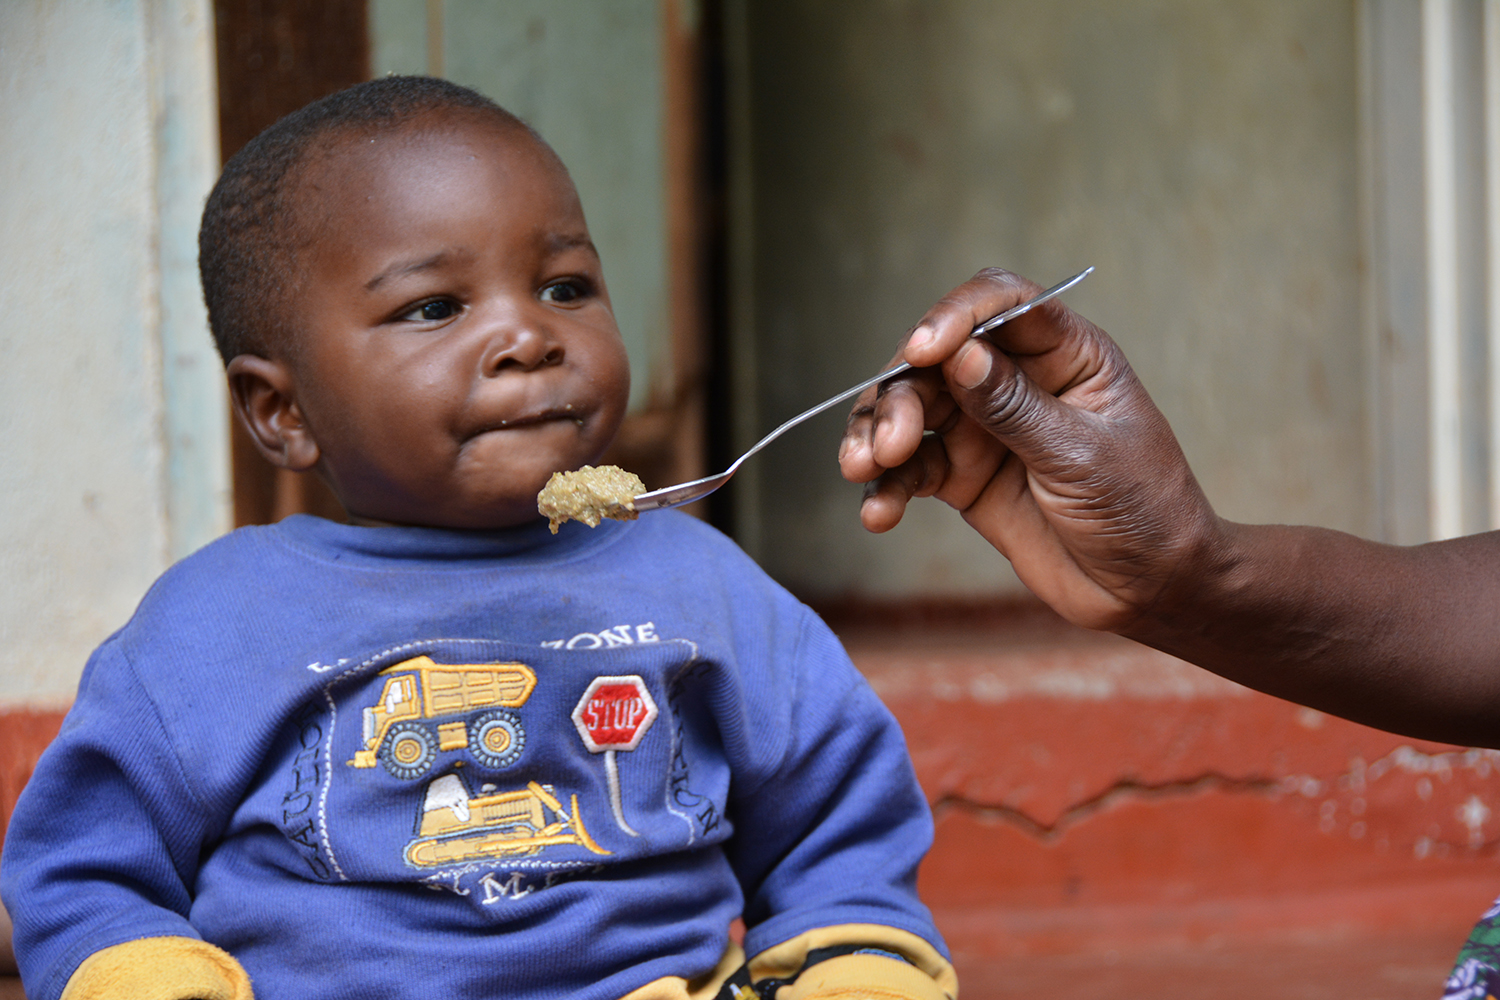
[1476, 976]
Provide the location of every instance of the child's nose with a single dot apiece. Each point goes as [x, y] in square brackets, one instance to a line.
[520, 343]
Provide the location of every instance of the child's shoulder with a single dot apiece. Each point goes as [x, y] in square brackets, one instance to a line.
[238, 558]
[228, 573]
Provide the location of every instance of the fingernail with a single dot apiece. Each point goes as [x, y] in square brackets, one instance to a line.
[920, 337]
[858, 453]
[843, 448]
[973, 366]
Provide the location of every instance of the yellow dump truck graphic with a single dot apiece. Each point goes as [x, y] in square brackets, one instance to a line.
[456, 828]
[427, 707]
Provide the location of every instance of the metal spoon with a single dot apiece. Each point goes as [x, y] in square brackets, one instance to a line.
[685, 493]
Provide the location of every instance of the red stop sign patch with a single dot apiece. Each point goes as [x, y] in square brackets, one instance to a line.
[614, 713]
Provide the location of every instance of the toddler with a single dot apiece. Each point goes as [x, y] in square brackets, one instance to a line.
[437, 751]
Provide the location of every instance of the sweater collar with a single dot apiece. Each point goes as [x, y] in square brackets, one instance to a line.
[529, 542]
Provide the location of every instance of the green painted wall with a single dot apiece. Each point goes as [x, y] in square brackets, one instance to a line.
[1203, 155]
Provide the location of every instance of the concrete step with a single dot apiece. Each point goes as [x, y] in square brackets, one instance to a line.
[1404, 967]
[1112, 820]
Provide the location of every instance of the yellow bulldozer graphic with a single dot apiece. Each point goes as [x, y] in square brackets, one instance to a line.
[427, 707]
[456, 828]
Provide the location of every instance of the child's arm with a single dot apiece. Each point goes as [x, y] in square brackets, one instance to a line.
[1053, 451]
[101, 856]
[830, 826]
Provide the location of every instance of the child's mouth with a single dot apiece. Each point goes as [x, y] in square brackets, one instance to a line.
[567, 413]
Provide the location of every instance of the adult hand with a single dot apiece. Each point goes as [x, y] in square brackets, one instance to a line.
[1051, 449]
[1048, 446]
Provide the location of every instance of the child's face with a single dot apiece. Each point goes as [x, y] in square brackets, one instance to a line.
[456, 344]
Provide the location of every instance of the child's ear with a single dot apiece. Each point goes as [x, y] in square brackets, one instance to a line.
[262, 392]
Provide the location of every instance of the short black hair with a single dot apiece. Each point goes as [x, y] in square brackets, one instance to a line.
[248, 239]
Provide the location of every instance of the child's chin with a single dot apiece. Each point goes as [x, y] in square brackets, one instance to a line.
[494, 517]
[481, 515]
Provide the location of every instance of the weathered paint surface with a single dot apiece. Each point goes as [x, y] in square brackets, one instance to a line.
[111, 468]
[1204, 156]
[1094, 795]
[1406, 966]
[24, 734]
[195, 410]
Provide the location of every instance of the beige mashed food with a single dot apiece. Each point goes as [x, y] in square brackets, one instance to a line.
[589, 495]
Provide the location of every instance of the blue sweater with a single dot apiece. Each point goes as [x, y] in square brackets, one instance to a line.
[401, 762]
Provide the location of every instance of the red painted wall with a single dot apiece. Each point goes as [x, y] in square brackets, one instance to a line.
[1092, 794]
[24, 734]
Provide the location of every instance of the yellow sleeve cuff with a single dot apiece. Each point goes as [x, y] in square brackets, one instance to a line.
[862, 977]
[857, 977]
[705, 987]
[163, 968]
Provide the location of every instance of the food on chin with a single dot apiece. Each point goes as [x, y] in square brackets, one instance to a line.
[589, 495]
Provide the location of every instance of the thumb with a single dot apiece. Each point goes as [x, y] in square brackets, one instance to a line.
[1038, 427]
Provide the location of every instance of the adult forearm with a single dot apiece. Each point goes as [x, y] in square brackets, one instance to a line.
[1403, 638]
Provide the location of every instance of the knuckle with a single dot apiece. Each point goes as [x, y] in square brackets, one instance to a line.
[1009, 402]
[992, 275]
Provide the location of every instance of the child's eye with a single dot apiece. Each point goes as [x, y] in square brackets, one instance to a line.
[431, 312]
[564, 291]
